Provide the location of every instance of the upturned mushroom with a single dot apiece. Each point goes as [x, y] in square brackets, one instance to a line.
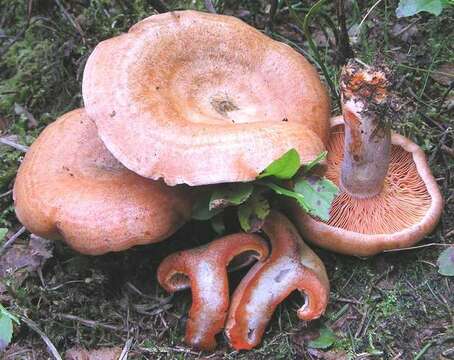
[226, 99]
[204, 270]
[69, 186]
[389, 198]
[291, 266]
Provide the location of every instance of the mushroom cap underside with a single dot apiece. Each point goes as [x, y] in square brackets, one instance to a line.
[199, 98]
[70, 186]
[407, 209]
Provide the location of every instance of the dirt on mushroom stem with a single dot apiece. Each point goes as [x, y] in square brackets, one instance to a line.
[368, 107]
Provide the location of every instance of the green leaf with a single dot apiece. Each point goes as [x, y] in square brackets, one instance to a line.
[412, 7]
[201, 208]
[3, 232]
[324, 341]
[6, 331]
[5, 312]
[319, 194]
[283, 168]
[445, 262]
[6, 327]
[252, 213]
[320, 157]
[286, 192]
[230, 195]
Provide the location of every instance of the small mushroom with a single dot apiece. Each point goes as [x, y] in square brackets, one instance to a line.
[204, 270]
[201, 98]
[388, 197]
[291, 266]
[70, 186]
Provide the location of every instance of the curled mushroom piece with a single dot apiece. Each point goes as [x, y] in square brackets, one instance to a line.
[69, 186]
[207, 87]
[204, 270]
[291, 266]
[388, 197]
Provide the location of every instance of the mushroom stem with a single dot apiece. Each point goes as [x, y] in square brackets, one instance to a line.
[365, 107]
[291, 266]
[204, 270]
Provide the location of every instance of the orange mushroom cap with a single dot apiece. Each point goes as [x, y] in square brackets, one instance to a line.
[407, 208]
[200, 98]
[291, 266]
[204, 270]
[70, 186]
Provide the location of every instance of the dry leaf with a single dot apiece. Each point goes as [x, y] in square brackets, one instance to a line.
[78, 353]
[20, 259]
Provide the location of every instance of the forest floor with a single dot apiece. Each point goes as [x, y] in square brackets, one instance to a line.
[391, 306]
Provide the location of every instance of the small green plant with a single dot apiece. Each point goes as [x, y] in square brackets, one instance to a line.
[412, 7]
[325, 340]
[282, 177]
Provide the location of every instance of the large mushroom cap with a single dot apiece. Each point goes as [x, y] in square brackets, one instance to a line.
[70, 186]
[407, 209]
[198, 98]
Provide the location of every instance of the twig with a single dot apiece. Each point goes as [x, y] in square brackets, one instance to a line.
[56, 287]
[169, 349]
[17, 146]
[71, 19]
[126, 348]
[406, 28]
[361, 324]
[368, 13]
[427, 262]
[417, 247]
[345, 300]
[210, 7]
[159, 6]
[6, 193]
[89, 323]
[11, 240]
[51, 347]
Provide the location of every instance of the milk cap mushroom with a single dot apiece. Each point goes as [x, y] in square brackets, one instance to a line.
[204, 270]
[201, 98]
[291, 266]
[70, 186]
[388, 197]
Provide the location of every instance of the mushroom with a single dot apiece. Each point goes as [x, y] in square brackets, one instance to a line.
[70, 186]
[291, 266]
[204, 270]
[200, 98]
[388, 197]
